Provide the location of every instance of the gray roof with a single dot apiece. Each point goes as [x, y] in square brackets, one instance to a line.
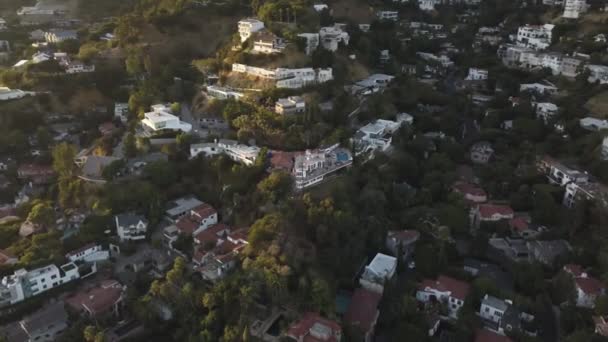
[129, 219]
[494, 302]
[182, 205]
[51, 314]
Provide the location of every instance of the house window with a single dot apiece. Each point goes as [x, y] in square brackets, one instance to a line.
[487, 309]
[53, 276]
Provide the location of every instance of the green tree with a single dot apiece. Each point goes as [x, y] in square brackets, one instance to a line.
[129, 147]
[276, 186]
[63, 160]
[43, 136]
[42, 213]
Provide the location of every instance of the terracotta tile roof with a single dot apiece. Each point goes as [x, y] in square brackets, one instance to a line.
[186, 225]
[97, 300]
[282, 160]
[458, 289]
[203, 211]
[483, 335]
[468, 189]
[589, 285]
[601, 326]
[314, 328]
[5, 257]
[573, 269]
[106, 128]
[519, 223]
[486, 211]
[362, 310]
[404, 235]
[212, 234]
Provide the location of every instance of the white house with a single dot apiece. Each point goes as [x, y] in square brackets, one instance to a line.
[378, 272]
[332, 36]
[312, 167]
[222, 93]
[76, 67]
[593, 124]
[537, 37]
[493, 309]
[587, 288]
[560, 174]
[121, 111]
[574, 8]
[447, 290]
[298, 78]
[23, 284]
[598, 73]
[377, 135]
[11, 94]
[58, 36]
[481, 152]
[428, 5]
[290, 105]
[545, 88]
[161, 119]
[131, 227]
[3, 25]
[312, 41]
[545, 110]
[476, 74]
[88, 253]
[266, 42]
[388, 15]
[239, 153]
[249, 26]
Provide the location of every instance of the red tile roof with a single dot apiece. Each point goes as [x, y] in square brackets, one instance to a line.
[98, 300]
[186, 225]
[6, 256]
[589, 285]
[486, 211]
[282, 160]
[203, 211]
[458, 289]
[483, 335]
[468, 189]
[212, 234]
[519, 224]
[106, 128]
[362, 310]
[601, 326]
[325, 329]
[575, 270]
[404, 235]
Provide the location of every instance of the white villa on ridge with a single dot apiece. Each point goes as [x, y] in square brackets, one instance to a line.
[377, 135]
[476, 74]
[537, 37]
[160, 118]
[287, 78]
[237, 152]
[249, 26]
[312, 167]
[574, 8]
[290, 105]
[332, 36]
[23, 284]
